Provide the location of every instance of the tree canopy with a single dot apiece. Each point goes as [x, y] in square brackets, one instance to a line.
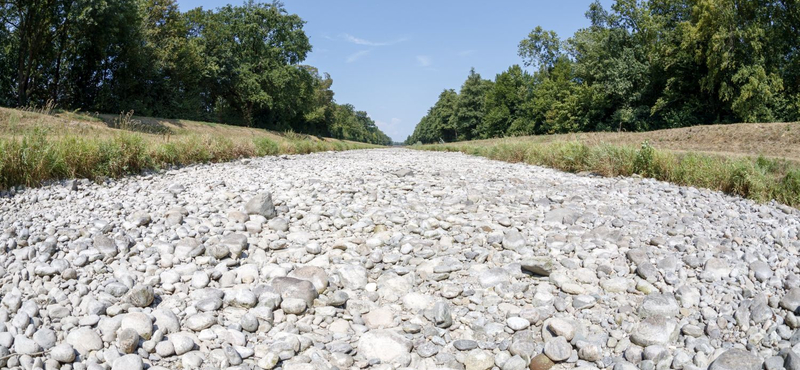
[640, 65]
[237, 64]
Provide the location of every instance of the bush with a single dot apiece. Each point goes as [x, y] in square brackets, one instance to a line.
[644, 163]
[265, 146]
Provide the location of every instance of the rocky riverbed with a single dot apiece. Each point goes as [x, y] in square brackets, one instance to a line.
[393, 258]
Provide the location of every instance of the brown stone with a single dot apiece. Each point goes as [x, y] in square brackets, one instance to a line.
[541, 362]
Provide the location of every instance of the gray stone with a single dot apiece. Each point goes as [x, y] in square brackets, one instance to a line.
[517, 323]
[384, 345]
[289, 287]
[427, 349]
[25, 346]
[442, 317]
[515, 363]
[63, 353]
[106, 246]
[761, 270]
[557, 349]
[128, 362]
[542, 266]
[45, 338]
[84, 340]
[249, 322]
[493, 277]
[659, 304]
[560, 327]
[314, 274]
[127, 340]
[513, 240]
[166, 321]
[478, 359]
[293, 306]
[791, 300]
[261, 204]
[655, 330]
[182, 343]
[165, 349]
[352, 276]
[139, 218]
[200, 321]
[736, 359]
[465, 344]
[141, 296]
[792, 360]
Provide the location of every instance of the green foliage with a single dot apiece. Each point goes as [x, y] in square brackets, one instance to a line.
[541, 49]
[265, 146]
[644, 163]
[642, 65]
[236, 64]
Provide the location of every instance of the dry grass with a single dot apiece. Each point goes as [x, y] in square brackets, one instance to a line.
[36, 146]
[772, 140]
[756, 161]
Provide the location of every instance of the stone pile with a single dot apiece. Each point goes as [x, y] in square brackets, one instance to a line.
[392, 258]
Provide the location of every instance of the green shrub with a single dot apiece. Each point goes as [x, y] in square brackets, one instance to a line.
[644, 163]
[265, 146]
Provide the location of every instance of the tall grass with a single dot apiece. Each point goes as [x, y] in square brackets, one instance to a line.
[36, 155]
[761, 179]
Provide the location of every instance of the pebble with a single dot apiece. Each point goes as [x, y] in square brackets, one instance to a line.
[557, 349]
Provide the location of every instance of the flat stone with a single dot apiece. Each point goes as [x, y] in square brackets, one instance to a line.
[557, 349]
[289, 287]
[384, 345]
[513, 240]
[542, 266]
[84, 340]
[261, 204]
[478, 359]
[128, 362]
[736, 359]
[659, 304]
[465, 344]
[655, 330]
[791, 300]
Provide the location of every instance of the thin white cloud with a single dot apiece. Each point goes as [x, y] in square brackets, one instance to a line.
[466, 53]
[391, 128]
[357, 55]
[359, 41]
[424, 60]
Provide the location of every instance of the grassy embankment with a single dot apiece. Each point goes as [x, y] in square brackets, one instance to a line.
[756, 161]
[37, 146]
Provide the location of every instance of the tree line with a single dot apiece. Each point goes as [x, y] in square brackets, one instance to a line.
[239, 65]
[641, 65]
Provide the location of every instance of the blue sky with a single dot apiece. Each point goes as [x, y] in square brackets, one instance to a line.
[393, 58]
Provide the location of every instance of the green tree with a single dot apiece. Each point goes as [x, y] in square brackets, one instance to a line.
[540, 49]
[505, 104]
[470, 106]
[253, 51]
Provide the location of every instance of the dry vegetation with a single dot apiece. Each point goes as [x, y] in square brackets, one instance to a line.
[772, 140]
[39, 144]
[756, 161]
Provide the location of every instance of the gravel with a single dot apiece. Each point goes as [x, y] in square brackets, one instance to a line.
[394, 258]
